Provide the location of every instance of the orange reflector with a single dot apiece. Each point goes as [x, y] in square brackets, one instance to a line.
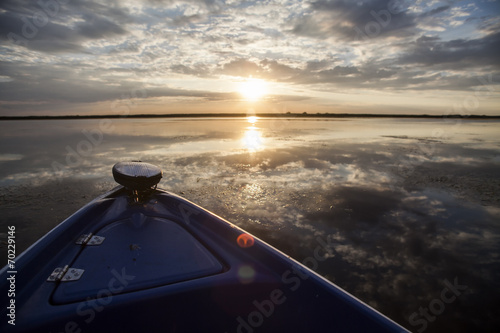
[245, 240]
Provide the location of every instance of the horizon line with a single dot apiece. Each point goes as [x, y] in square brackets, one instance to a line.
[245, 115]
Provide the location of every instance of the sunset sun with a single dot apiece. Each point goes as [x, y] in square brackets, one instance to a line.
[253, 89]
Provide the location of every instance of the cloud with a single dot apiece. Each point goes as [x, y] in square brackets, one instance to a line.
[88, 51]
[52, 38]
[51, 27]
[314, 72]
[355, 20]
[454, 54]
[241, 67]
[96, 27]
[64, 86]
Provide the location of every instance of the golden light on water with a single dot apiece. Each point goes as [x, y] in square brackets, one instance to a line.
[252, 139]
[253, 89]
[252, 119]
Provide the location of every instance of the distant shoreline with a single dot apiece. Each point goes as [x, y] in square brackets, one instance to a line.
[244, 115]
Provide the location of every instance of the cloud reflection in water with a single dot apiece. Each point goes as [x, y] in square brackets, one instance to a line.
[396, 231]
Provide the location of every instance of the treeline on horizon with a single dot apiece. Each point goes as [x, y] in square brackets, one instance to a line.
[244, 115]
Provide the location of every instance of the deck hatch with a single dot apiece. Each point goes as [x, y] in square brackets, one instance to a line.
[139, 253]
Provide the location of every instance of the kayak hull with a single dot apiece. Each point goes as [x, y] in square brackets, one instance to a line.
[168, 265]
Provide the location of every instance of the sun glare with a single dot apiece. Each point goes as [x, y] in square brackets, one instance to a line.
[252, 119]
[253, 89]
[252, 140]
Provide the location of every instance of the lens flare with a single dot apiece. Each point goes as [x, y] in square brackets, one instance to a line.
[246, 274]
[245, 240]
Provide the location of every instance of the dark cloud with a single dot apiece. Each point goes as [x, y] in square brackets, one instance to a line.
[318, 65]
[48, 27]
[96, 27]
[207, 3]
[196, 70]
[278, 71]
[51, 37]
[437, 10]
[431, 51]
[185, 19]
[308, 26]
[356, 20]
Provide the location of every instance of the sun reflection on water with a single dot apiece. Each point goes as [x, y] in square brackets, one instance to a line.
[252, 119]
[252, 138]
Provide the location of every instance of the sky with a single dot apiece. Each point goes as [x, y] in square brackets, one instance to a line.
[68, 57]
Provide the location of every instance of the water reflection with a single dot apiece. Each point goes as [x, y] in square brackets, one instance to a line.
[252, 140]
[252, 119]
[399, 210]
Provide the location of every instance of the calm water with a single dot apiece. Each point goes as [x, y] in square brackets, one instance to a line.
[409, 209]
